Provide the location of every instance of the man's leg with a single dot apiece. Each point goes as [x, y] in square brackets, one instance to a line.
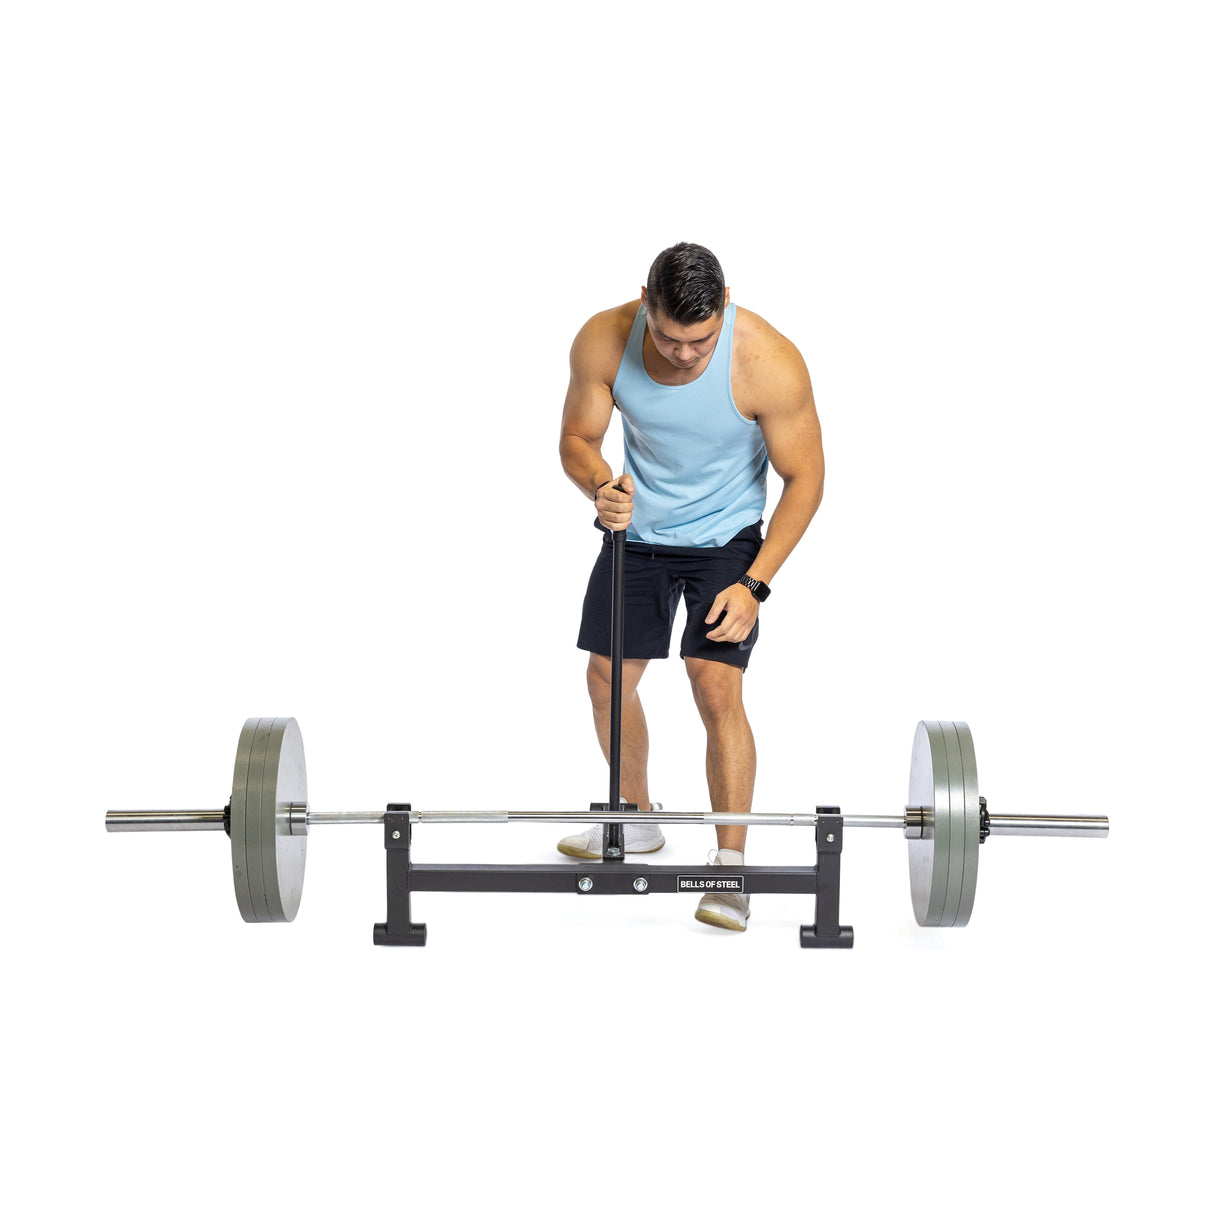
[731, 761]
[634, 739]
[634, 758]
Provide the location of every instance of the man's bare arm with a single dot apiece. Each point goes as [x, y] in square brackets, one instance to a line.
[777, 389]
[588, 404]
[788, 419]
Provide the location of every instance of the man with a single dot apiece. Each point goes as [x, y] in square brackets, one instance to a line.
[709, 394]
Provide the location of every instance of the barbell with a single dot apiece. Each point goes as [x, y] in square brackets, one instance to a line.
[268, 819]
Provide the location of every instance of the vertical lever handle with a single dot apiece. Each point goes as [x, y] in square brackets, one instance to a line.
[615, 830]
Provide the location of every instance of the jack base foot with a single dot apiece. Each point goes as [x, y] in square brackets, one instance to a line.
[810, 938]
[416, 935]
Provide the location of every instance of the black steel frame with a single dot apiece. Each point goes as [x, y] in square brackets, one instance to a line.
[611, 875]
[404, 878]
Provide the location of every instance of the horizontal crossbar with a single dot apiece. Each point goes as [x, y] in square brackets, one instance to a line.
[606, 878]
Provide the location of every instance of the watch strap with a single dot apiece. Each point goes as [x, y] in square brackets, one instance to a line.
[760, 590]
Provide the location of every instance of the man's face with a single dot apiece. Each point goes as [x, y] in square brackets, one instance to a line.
[683, 346]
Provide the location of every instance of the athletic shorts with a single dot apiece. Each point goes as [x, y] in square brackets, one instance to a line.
[656, 577]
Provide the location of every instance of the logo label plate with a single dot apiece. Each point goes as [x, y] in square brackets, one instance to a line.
[710, 885]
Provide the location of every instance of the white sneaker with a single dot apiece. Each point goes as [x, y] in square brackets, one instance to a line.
[638, 837]
[729, 911]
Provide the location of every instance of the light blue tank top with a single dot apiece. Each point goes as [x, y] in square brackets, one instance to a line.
[700, 467]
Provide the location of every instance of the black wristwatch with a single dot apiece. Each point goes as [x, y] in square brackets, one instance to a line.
[759, 589]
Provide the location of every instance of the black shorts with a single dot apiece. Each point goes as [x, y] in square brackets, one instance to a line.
[656, 576]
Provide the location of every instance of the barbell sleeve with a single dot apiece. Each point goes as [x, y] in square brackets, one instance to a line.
[1057, 827]
[123, 821]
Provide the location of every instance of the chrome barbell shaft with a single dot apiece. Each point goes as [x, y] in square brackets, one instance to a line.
[1000, 824]
[121, 820]
[213, 819]
[609, 816]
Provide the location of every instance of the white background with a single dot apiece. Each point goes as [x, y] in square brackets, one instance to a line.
[288, 291]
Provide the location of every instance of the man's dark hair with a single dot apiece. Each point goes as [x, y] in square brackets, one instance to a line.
[686, 283]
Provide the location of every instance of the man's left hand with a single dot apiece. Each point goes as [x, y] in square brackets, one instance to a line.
[741, 610]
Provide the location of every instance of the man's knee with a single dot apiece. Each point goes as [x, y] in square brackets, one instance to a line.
[716, 686]
[598, 678]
